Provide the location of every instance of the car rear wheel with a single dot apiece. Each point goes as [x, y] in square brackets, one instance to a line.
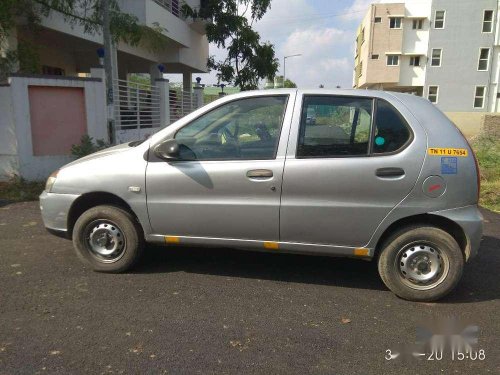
[108, 238]
[421, 263]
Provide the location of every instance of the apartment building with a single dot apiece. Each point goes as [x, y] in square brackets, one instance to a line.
[445, 50]
[65, 49]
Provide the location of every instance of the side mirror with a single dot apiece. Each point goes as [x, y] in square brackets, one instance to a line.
[168, 150]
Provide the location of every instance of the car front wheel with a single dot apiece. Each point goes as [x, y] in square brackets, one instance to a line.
[421, 263]
[108, 238]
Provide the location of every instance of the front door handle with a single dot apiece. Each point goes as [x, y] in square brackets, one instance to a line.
[260, 173]
[390, 172]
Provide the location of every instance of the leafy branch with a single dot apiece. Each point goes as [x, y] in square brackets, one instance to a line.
[248, 59]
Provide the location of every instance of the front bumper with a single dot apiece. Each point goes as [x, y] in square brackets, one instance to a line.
[55, 209]
[470, 219]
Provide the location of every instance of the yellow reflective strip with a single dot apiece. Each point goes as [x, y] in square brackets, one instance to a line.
[172, 239]
[361, 252]
[438, 151]
[271, 245]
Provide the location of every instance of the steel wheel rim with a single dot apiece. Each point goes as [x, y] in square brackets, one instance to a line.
[422, 265]
[105, 241]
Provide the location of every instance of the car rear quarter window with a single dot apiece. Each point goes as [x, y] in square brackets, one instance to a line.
[334, 126]
[391, 132]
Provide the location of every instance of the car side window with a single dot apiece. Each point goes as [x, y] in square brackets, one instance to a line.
[242, 129]
[391, 129]
[334, 126]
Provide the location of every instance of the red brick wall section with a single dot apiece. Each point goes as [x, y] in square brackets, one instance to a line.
[58, 118]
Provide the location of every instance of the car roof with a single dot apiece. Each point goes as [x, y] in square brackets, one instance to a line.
[389, 95]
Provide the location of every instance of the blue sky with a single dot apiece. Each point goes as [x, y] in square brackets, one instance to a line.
[323, 31]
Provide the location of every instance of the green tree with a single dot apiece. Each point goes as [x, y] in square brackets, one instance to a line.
[85, 13]
[248, 58]
[289, 84]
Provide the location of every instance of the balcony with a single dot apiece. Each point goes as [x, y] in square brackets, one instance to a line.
[173, 6]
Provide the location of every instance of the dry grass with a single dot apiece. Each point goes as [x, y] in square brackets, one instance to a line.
[487, 150]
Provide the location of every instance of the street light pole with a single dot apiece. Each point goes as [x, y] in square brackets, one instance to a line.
[284, 65]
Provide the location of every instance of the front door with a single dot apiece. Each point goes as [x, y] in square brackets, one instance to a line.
[351, 160]
[229, 186]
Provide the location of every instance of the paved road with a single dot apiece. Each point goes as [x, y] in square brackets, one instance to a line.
[221, 311]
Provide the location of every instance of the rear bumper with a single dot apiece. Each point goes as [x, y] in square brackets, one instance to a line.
[470, 219]
[55, 209]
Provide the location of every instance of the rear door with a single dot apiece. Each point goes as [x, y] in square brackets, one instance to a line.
[347, 169]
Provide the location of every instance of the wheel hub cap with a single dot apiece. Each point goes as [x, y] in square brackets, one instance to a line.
[106, 240]
[420, 264]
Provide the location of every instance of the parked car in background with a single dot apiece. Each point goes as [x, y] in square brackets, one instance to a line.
[378, 176]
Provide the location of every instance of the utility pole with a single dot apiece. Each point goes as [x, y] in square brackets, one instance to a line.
[284, 65]
[108, 68]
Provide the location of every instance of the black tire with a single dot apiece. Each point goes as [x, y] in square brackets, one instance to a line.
[127, 229]
[404, 244]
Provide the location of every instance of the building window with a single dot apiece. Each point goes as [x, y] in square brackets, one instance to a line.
[479, 95]
[487, 21]
[360, 69]
[432, 95]
[415, 61]
[374, 57]
[395, 22]
[484, 58]
[417, 24]
[362, 35]
[377, 20]
[392, 60]
[436, 57]
[439, 19]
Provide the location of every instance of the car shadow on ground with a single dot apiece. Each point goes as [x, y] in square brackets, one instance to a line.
[4, 202]
[481, 279]
[480, 282]
[265, 266]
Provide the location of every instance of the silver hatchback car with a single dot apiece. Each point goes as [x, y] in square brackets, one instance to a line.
[377, 175]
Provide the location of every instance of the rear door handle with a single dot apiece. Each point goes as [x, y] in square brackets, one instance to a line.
[390, 172]
[260, 173]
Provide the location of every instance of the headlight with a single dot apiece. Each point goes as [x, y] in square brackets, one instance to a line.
[51, 181]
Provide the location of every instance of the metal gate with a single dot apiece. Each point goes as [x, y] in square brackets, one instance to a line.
[137, 110]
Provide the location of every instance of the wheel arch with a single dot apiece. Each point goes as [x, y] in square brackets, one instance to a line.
[440, 222]
[89, 200]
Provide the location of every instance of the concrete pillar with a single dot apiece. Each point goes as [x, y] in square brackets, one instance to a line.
[155, 73]
[164, 91]
[186, 82]
[198, 94]
[100, 73]
[198, 97]
[97, 73]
